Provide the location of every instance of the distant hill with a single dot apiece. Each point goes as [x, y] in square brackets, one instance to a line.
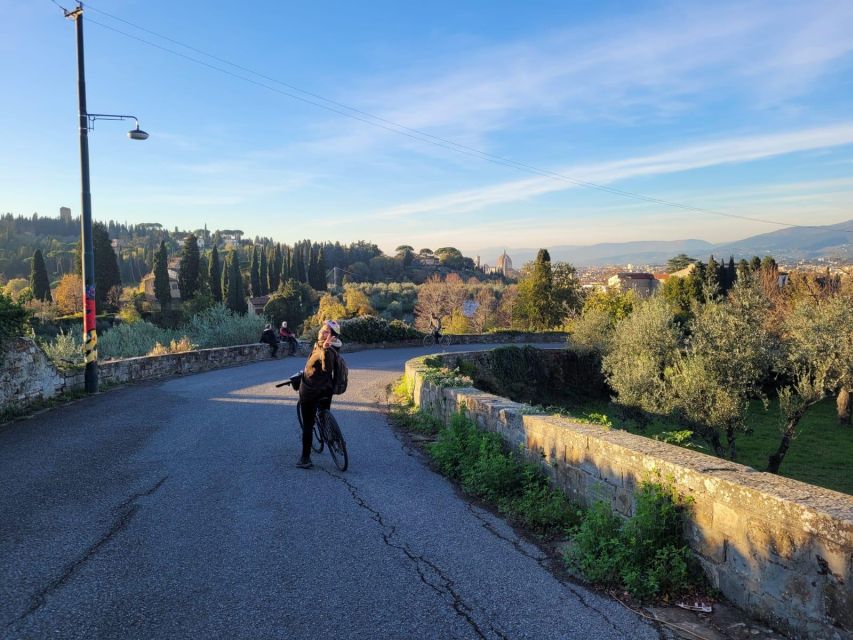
[786, 244]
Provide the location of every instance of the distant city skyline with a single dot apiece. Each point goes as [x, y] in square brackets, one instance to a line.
[742, 108]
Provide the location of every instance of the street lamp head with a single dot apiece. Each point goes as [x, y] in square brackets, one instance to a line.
[137, 134]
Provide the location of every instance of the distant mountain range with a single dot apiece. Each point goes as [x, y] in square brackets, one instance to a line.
[791, 244]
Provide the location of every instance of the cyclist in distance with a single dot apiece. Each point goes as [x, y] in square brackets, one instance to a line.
[315, 392]
[435, 323]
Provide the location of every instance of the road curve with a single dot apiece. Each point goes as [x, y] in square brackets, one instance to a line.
[174, 510]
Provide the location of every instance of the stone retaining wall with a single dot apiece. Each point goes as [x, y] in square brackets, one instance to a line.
[27, 375]
[780, 549]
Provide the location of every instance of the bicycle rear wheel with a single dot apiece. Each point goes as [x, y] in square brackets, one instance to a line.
[429, 340]
[317, 440]
[336, 442]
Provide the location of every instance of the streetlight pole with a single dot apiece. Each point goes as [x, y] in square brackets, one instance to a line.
[90, 334]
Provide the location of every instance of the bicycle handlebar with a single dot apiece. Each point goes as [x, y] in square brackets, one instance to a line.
[286, 383]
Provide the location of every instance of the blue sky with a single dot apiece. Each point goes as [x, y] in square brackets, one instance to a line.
[745, 108]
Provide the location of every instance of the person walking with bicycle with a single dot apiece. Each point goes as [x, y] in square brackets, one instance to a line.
[317, 386]
[435, 325]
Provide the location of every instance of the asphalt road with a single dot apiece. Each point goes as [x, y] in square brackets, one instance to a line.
[175, 510]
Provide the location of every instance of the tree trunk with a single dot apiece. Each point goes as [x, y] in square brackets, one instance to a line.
[730, 438]
[775, 460]
[844, 405]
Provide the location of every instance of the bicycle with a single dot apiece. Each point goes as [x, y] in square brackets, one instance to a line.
[326, 428]
[443, 340]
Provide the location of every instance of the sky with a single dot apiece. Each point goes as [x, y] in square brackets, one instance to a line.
[469, 124]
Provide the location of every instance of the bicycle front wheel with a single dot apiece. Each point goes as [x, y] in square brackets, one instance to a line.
[444, 340]
[317, 440]
[336, 442]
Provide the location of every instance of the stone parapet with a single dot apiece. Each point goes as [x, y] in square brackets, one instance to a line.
[778, 548]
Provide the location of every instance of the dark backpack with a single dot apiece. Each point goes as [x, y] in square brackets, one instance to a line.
[339, 375]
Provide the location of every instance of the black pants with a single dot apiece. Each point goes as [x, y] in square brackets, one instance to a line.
[273, 348]
[309, 407]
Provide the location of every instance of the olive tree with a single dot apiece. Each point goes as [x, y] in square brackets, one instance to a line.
[727, 356]
[818, 359]
[643, 348]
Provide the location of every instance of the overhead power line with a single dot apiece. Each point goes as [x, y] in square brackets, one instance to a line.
[365, 117]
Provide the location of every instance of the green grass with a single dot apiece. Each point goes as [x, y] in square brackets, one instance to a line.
[821, 455]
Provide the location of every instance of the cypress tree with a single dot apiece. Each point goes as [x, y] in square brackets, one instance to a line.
[254, 273]
[263, 276]
[235, 299]
[214, 277]
[107, 274]
[39, 282]
[712, 278]
[162, 290]
[275, 268]
[299, 266]
[188, 277]
[321, 270]
[286, 265]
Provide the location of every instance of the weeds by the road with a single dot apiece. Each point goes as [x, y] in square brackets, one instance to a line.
[644, 555]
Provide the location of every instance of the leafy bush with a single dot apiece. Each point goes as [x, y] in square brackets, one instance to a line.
[480, 461]
[65, 349]
[371, 329]
[13, 318]
[214, 327]
[220, 327]
[133, 340]
[646, 554]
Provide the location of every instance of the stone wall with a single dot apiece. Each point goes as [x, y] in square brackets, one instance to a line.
[778, 548]
[27, 375]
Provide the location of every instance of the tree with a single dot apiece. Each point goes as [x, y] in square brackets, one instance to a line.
[567, 292]
[69, 294]
[189, 273]
[357, 303]
[406, 254]
[292, 302]
[438, 298]
[679, 262]
[712, 279]
[234, 294]
[162, 288]
[330, 308]
[536, 307]
[255, 273]
[818, 358]
[107, 273]
[39, 282]
[214, 277]
[263, 275]
[275, 262]
[682, 294]
[643, 348]
[728, 356]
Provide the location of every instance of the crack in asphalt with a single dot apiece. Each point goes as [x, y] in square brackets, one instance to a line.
[443, 586]
[542, 561]
[125, 512]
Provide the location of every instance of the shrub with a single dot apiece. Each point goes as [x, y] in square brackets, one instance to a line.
[371, 329]
[65, 349]
[220, 327]
[645, 554]
[175, 346]
[13, 318]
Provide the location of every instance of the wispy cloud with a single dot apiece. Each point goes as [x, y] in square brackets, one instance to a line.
[729, 151]
[652, 65]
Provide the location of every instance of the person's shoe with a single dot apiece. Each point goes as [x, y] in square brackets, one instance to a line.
[304, 463]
